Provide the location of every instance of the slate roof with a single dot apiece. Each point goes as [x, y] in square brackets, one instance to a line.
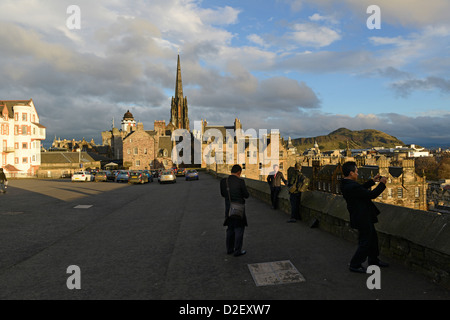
[11, 103]
[64, 157]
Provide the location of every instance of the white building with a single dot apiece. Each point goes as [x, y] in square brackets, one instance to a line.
[20, 138]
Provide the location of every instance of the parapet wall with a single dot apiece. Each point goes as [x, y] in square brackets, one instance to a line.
[418, 239]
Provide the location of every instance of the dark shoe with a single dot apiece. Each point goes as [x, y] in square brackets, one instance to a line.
[291, 220]
[230, 252]
[379, 263]
[240, 253]
[359, 269]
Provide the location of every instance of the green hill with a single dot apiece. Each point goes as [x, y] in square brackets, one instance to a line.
[361, 139]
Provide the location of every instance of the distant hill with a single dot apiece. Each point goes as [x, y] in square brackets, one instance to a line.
[361, 139]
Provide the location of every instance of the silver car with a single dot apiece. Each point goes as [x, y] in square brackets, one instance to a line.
[167, 176]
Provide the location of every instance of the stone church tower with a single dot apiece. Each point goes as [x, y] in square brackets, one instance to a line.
[179, 107]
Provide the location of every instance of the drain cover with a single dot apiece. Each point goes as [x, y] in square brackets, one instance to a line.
[273, 273]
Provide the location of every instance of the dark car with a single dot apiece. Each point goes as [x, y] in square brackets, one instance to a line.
[191, 175]
[181, 172]
[138, 177]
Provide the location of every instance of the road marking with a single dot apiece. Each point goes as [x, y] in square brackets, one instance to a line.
[273, 273]
[83, 206]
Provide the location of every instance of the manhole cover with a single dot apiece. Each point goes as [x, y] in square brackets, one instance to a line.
[273, 273]
[83, 206]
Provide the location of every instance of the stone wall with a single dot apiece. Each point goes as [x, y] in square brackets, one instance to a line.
[418, 239]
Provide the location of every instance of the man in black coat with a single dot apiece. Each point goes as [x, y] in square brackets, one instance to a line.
[363, 215]
[3, 181]
[236, 226]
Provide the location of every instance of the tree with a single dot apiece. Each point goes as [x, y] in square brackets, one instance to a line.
[428, 165]
[443, 169]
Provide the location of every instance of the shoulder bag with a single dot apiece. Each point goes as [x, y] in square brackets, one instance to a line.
[236, 209]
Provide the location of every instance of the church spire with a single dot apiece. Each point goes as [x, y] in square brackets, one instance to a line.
[178, 84]
[179, 108]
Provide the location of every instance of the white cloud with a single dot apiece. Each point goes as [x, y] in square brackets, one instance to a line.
[257, 40]
[313, 35]
[317, 17]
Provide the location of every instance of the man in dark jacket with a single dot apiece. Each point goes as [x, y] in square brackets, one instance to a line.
[3, 181]
[363, 215]
[274, 179]
[237, 192]
[294, 177]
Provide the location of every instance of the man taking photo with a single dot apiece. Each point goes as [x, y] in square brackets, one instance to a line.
[363, 215]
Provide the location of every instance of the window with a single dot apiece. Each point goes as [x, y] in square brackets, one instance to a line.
[24, 117]
[24, 130]
[138, 163]
[24, 145]
[16, 160]
[389, 193]
[399, 193]
[135, 150]
[16, 116]
[128, 151]
[281, 154]
[260, 166]
[24, 160]
[417, 192]
[243, 166]
[281, 166]
[145, 150]
[16, 130]
[16, 145]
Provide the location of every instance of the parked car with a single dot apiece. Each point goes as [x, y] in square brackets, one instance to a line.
[181, 172]
[82, 176]
[191, 175]
[123, 176]
[167, 176]
[101, 176]
[138, 177]
[110, 175]
[149, 175]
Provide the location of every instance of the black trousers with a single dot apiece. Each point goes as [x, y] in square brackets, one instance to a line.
[274, 192]
[367, 246]
[295, 205]
[235, 235]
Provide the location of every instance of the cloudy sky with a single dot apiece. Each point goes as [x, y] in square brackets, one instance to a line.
[305, 67]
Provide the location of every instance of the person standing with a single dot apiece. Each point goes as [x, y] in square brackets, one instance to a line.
[294, 180]
[363, 215]
[233, 189]
[274, 179]
[3, 181]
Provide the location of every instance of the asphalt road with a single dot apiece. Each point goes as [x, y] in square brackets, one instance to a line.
[167, 242]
